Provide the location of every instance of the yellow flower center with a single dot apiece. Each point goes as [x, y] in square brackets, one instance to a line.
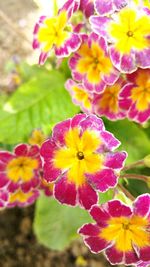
[54, 31]
[141, 93]
[109, 100]
[92, 62]
[78, 156]
[21, 168]
[130, 31]
[20, 196]
[125, 232]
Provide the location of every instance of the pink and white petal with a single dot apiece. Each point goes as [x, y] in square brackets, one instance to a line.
[104, 7]
[127, 90]
[131, 258]
[145, 253]
[70, 6]
[92, 122]
[133, 112]
[100, 215]
[143, 58]
[3, 180]
[99, 25]
[143, 264]
[109, 140]
[87, 196]
[77, 119]
[111, 78]
[115, 160]
[65, 192]
[115, 57]
[89, 229]
[96, 244]
[33, 151]
[47, 149]
[5, 156]
[143, 116]
[60, 130]
[70, 45]
[128, 63]
[50, 173]
[119, 4]
[142, 205]
[103, 180]
[94, 87]
[114, 256]
[117, 209]
[43, 56]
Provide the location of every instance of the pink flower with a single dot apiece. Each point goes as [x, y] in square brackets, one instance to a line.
[4, 194]
[135, 96]
[21, 199]
[127, 32]
[87, 7]
[121, 231]
[20, 170]
[79, 160]
[91, 64]
[57, 33]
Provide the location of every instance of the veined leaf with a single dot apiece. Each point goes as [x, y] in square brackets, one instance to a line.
[41, 101]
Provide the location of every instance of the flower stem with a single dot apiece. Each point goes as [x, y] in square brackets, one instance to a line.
[135, 176]
[133, 165]
[126, 192]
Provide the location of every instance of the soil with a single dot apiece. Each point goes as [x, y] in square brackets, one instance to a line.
[19, 248]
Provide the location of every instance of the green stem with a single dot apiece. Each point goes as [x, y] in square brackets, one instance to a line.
[135, 176]
[133, 165]
[126, 192]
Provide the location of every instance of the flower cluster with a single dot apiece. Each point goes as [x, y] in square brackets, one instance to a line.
[109, 52]
[121, 231]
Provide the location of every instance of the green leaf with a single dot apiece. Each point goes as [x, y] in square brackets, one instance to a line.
[133, 138]
[56, 225]
[39, 102]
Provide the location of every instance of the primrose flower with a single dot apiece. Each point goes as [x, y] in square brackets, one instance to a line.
[20, 170]
[104, 7]
[135, 96]
[22, 199]
[4, 194]
[79, 159]
[107, 103]
[91, 64]
[56, 32]
[87, 7]
[127, 32]
[80, 96]
[121, 231]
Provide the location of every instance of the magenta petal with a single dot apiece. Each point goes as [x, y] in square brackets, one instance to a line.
[143, 58]
[142, 205]
[115, 160]
[87, 196]
[89, 229]
[99, 25]
[131, 257]
[76, 120]
[110, 141]
[5, 156]
[128, 63]
[50, 173]
[114, 256]
[103, 180]
[71, 45]
[59, 131]
[48, 148]
[118, 209]
[96, 244]
[21, 150]
[145, 253]
[100, 215]
[3, 180]
[65, 192]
